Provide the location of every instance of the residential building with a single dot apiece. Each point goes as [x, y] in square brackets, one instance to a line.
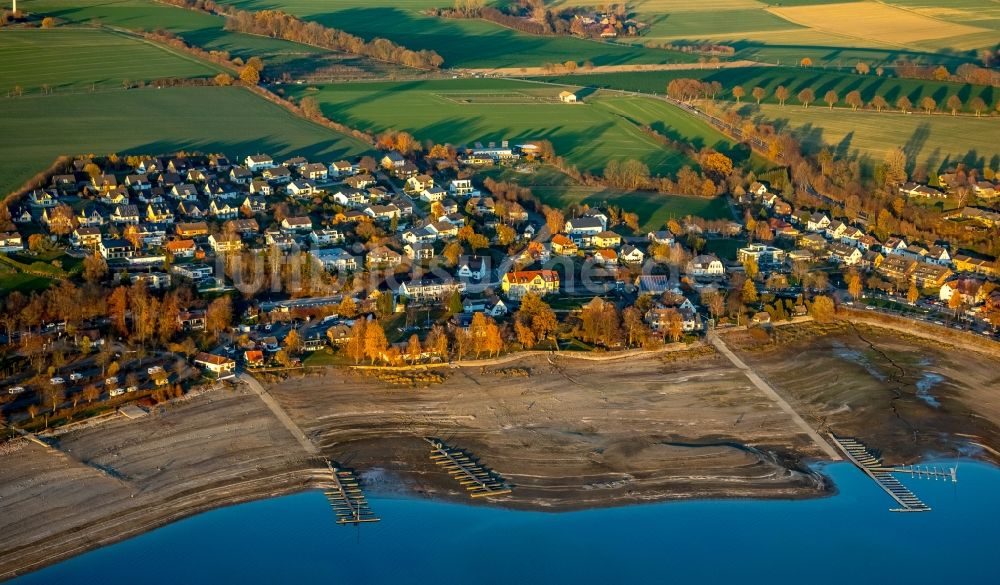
[518, 283]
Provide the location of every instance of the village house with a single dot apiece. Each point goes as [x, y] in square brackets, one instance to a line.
[392, 160]
[429, 289]
[341, 168]
[180, 248]
[706, 265]
[606, 257]
[763, 254]
[984, 266]
[191, 229]
[11, 242]
[564, 246]
[216, 366]
[225, 243]
[844, 254]
[475, 268]
[113, 249]
[971, 290]
[314, 171]
[433, 194]
[326, 236]
[916, 190]
[418, 251]
[567, 97]
[927, 275]
[335, 259]
[461, 188]
[606, 239]
[125, 214]
[86, 237]
[418, 183]
[258, 162]
[296, 224]
[382, 257]
[519, 283]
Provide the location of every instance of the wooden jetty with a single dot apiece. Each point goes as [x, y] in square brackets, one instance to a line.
[347, 499]
[862, 457]
[480, 481]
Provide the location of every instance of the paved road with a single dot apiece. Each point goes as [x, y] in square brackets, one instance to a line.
[280, 413]
[770, 393]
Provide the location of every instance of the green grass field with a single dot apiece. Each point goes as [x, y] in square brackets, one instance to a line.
[465, 111]
[557, 190]
[935, 141]
[76, 59]
[462, 43]
[38, 129]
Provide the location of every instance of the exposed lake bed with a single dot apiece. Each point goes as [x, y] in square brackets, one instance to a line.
[568, 434]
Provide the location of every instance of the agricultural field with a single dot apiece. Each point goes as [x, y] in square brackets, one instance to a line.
[784, 31]
[459, 112]
[210, 119]
[197, 29]
[935, 141]
[794, 78]
[878, 22]
[78, 59]
[462, 43]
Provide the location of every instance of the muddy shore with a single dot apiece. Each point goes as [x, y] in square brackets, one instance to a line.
[566, 433]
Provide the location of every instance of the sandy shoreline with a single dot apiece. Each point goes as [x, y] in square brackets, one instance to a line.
[570, 434]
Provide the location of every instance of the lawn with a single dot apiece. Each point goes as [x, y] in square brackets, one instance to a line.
[77, 59]
[462, 43]
[793, 78]
[464, 111]
[557, 190]
[935, 141]
[210, 119]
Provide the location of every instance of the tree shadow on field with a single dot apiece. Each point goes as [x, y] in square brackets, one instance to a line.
[236, 150]
[843, 148]
[915, 144]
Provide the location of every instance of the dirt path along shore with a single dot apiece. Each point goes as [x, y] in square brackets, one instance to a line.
[770, 392]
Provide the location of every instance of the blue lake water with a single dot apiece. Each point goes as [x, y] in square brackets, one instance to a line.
[851, 537]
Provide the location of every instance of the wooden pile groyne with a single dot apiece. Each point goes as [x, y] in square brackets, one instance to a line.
[480, 481]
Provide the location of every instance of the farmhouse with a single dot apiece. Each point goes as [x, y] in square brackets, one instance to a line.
[567, 97]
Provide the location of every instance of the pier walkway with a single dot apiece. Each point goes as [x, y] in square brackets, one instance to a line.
[347, 499]
[859, 455]
[479, 480]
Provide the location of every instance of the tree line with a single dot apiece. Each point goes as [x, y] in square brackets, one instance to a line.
[278, 24]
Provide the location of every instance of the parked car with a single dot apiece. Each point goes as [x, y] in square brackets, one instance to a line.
[154, 369]
[111, 381]
[15, 390]
[76, 376]
[57, 380]
[131, 388]
[117, 392]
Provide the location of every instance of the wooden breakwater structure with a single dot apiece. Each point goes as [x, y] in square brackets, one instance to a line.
[346, 498]
[864, 459]
[480, 481]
